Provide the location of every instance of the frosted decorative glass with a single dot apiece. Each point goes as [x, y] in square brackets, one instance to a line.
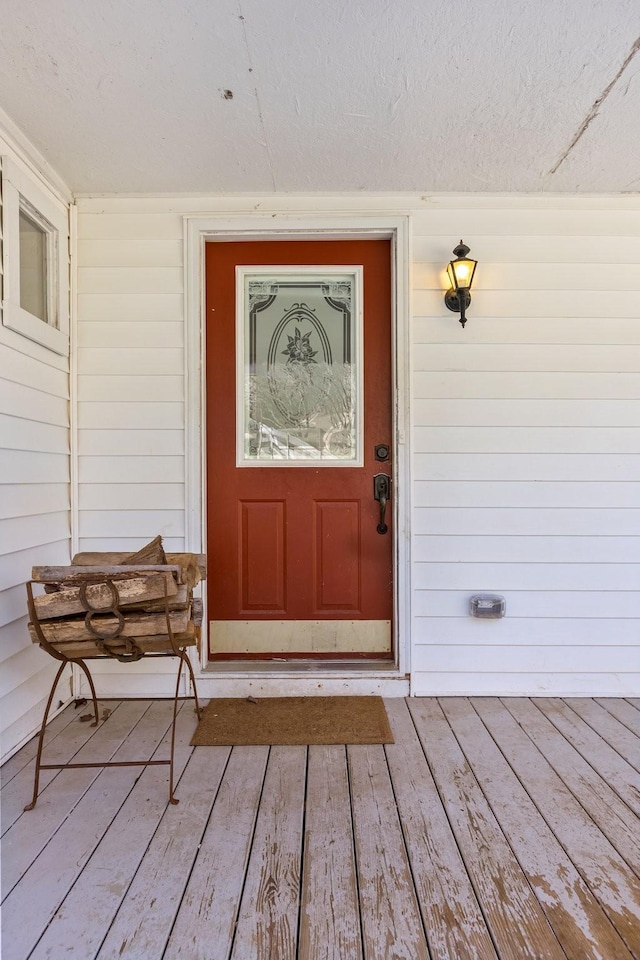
[300, 398]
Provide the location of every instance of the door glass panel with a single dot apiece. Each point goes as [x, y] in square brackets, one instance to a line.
[299, 377]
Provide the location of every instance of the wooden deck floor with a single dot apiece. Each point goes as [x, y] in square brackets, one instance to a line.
[491, 829]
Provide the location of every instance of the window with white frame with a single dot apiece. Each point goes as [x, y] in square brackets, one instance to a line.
[35, 253]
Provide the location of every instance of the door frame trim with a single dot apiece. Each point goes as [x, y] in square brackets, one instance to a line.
[200, 229]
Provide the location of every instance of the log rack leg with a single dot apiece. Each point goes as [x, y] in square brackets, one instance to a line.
[84, 667]
[173, 799]
[36, 783]
[193, 684]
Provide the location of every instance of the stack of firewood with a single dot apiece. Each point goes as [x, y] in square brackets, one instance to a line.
[104, 605]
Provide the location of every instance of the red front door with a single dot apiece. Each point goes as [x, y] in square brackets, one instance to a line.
[297, 565]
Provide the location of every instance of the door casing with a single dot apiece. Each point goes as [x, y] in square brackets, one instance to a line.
[224, 228]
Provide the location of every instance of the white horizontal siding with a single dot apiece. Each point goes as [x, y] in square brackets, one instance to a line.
[95, 388]
[550, 412]
[526, 455]
[34, 509]
[572, 330]
[525, 436]
[584, 493]
[538, 275]
[30, 499]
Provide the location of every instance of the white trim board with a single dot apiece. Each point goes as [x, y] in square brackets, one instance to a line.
[197, 231]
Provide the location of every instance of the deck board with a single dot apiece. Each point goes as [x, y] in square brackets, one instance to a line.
[612, 730]
[452, 916]
[206, 923]
[590, 882]
[391, 921]
[625, 712]
[329, 911]
[492, 829]
[267, 926]
[613, 768]
[517, 920]
[613, 817]
[61, 745]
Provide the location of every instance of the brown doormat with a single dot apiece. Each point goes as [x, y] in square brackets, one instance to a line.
[293, 720]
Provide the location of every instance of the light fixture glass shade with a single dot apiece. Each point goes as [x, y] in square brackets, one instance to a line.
[461, 273]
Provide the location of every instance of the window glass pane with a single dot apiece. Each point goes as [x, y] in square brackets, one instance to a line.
[33, 268]
[300, 394]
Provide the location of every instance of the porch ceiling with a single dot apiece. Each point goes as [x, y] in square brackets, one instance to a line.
[321, 95]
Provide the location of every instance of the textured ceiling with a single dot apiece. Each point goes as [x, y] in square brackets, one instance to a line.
[182, 96]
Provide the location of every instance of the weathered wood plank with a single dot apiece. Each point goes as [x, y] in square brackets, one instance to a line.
[66, 602]
[625, 712]
[329, 913]
[77, 573]
[518, 925]
[267, 926]
[391, 921]
[15, 764]
[60, 748]
[32, 903]
[612, 731]
[144, 920]
[63, 632]
[206, 923]
[451, 914]
[82, 920]
[613, 817]
[615, 770]
[33, 829]
[184, 560]
[156, 643]
[610, 882]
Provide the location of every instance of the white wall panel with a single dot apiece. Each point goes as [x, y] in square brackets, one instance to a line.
[523, 276]
[521, 521]
[500, 385]
[498, 577]
[520, 439]
[584, 493]
[120, 523]
[130, 306]
[30, 402]
[531, 605]
[34, 501]
[28, 499]
[144, 415]
[128, 279]
[526, 424]
[96, 387]
[548, 329]
[548, 358]
[111, 335]
[550, 412]
[150, 442]
[21, 434]
[504, 547]
[131, 496]
[150, 361]
[535, 466]
[130, 253]
[534, 248]
[117, 469]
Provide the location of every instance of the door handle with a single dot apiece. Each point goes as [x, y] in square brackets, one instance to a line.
[381, 492]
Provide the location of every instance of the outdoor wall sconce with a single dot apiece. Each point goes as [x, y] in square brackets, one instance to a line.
[460, 271]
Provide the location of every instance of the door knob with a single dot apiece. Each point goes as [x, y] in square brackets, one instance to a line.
[381, 493]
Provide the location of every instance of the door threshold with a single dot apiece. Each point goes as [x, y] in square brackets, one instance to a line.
[357, 667]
